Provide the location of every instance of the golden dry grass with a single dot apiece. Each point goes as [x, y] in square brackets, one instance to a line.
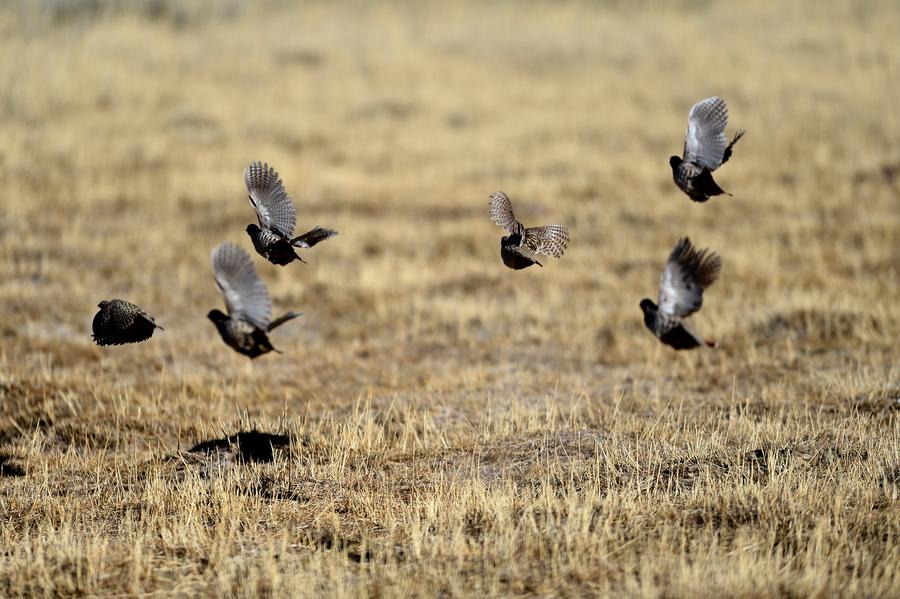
[457, 428]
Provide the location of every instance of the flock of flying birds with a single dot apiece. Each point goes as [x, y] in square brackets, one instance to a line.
[245, 327]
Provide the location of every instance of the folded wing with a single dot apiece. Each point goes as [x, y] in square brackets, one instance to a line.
[120, 321]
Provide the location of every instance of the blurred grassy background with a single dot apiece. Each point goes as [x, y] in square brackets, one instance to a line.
[124, 130]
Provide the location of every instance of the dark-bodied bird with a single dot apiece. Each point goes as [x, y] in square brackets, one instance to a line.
[120, 322]
[247, 323]
[518, 249]
[277, 218]
[688, 272]
[705, 149]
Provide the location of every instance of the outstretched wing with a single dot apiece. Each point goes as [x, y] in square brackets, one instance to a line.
[244, 292]
[705, 141]
[500, 209]
[274, 207]
[550, 240]
[688, 272]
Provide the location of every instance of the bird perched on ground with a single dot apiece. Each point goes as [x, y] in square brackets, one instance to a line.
[120, 322]
[705, 149]
[687, 274]
[277, 218]
[518, 249]
[246, 325]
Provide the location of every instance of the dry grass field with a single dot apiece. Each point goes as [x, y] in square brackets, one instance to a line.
[447, 426]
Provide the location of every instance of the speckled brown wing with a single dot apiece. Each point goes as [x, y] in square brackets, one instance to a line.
[120, 321]
[501, 212]
[550, 240]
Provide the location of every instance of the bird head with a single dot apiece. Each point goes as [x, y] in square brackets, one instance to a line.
[217, 316]
[102, 305]
[674, 161]
[252, 230]
[650, 313]
[648, 306]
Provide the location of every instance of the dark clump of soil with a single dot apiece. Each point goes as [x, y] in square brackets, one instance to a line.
[250, 446]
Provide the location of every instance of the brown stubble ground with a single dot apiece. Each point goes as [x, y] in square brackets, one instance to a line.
[457, 428]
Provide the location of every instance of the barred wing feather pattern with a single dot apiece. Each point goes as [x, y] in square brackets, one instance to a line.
[705, 141]
[274, 208]
[501, 212]
[244, 292]
[550, 240]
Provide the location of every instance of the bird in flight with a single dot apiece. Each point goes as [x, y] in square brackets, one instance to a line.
[277, 218]
[518, 249]
[247, 323]
[119, 321]
[687, 274]
[705, 149]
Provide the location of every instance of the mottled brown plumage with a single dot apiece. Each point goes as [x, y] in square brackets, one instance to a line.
[518, 249]
[687, 274]
[247, 323]
[277, 218]
[120, 321]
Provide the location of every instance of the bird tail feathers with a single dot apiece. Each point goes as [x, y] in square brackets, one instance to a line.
[727, 154]
[312, 237]
[283, 319]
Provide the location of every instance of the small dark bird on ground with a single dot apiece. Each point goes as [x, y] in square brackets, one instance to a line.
[705, 149]
[120, 322]
[277, 218]
[687, 274]
[518, 249]
[249, 307]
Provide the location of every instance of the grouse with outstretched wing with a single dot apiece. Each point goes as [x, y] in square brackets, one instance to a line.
[277, 217]
[687, 274]
[705, 149]
[247, 323]
[519, 249]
